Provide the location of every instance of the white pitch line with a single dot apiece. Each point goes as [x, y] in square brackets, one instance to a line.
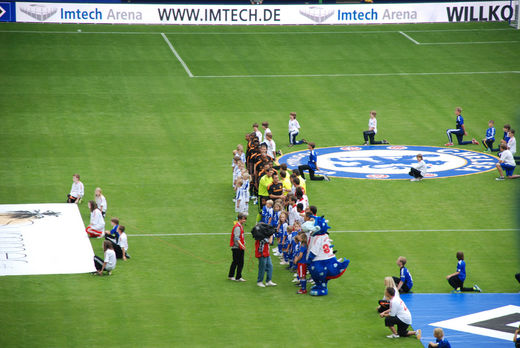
[410, 38]
[177, 55]
[364, 75]
[346, 231]
[467, 42]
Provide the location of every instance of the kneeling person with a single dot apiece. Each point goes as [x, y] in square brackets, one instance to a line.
[399, 315]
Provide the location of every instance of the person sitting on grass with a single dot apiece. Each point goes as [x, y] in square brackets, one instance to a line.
[456, 279]
[113, 233]
[490, 137]
[123, 242]
[97, 223]
[77, 190]
[460, 131]
[405, 281]
[398, 314]
[418, 169]
[506, 163]
[109, 262]
[101, 201]
[441, 341]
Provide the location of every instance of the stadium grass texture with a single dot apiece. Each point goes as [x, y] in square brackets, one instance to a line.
[121, 111]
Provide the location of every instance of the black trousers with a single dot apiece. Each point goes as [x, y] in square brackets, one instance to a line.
[311, 172]
[415, 173]
[98, 262]
[517, 276]
[402, 327]
[71, 199]
[488, 144]
[404, 287]
[371, 135]
[237, 264]
[455, 283]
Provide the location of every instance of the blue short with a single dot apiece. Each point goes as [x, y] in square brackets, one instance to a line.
[508, 168]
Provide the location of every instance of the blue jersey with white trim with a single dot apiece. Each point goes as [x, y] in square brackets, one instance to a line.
[506, 137]
[313, 158]
[267, 213]
[443, 343]
[461, 268]
[490, 133]
[303, 249]
[406, 277]
[460, 121]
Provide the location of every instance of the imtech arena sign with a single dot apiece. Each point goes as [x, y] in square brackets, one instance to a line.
[393, 162]
[113, 13]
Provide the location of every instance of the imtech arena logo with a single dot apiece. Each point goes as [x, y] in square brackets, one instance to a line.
[392, 162]
[39, 12]
[317, 14]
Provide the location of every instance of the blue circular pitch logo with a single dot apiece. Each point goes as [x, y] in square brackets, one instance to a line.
[392, 162]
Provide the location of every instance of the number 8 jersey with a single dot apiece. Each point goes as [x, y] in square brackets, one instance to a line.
[320, 246]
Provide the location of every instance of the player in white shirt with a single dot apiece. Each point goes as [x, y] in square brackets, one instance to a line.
[96, 227]
[372, 131]
[109, 262]
[101, 201]
[506, 163]
[294, 130]
[257, 132]
[271, 145]
[418, 170]
[265, 126]
[77, 190]
[123, 242]
[511, 145]
[398, 314]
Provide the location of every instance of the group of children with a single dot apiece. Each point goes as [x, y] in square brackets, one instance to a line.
[394, 310]
[115, 245]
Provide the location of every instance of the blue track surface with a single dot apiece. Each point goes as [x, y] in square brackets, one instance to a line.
[430, 308]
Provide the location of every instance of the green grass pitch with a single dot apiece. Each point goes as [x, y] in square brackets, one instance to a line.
[122, 111]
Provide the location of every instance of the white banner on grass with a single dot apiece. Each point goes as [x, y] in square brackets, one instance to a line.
[482, 11]
[43, 239]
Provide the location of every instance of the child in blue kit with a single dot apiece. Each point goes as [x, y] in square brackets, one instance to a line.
[301, 261]
[490, 136]
[281, 229]
[267, 212]
[456, 279]
[285, 243]
[441, 341]
[404, 281]
[277, 210]
[459, 131]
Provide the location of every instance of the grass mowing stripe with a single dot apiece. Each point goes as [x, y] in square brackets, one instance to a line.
[345, 231]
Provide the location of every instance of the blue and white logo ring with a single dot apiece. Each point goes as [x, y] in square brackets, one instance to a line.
[392, 161]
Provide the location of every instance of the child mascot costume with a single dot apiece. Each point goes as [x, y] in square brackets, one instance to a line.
[321, 260]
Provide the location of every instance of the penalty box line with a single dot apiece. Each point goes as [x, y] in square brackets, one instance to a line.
[168, 42]
[346, 231]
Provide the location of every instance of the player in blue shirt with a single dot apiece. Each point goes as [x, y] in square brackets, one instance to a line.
[456, 279]
[312, 165]
[490, 137]
[301, 261]
[505, 137]
[460, 131]
[267, 212]
[404, 281]
[441, 341]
